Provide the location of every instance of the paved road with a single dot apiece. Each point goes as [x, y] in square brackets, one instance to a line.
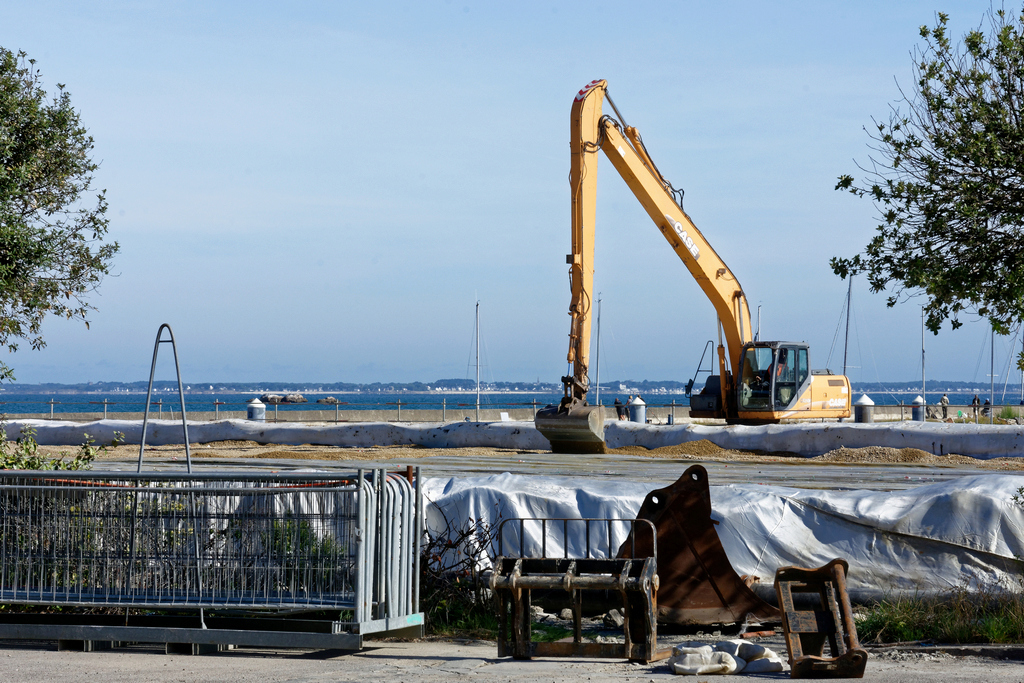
[420, 662]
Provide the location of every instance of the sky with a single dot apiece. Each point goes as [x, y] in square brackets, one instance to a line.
[322, 191]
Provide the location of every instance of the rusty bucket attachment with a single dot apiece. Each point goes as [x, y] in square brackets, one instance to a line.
[698, 583]
[578, 430]
[807, 630]
[635, 579]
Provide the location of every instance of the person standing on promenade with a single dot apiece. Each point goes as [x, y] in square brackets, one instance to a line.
[975, 404]
[945, 405]
[620, 410]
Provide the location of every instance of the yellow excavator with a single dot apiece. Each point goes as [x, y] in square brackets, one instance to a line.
[758, 382]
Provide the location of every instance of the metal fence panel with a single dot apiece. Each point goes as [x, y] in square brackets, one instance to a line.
[212, 541]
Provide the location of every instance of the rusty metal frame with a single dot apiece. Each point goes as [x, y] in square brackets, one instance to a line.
[515, 575]
[807, 630]
[699, 583]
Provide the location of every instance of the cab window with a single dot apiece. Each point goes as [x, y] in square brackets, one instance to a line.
[801, 367]
[755, 379]
[785, 376]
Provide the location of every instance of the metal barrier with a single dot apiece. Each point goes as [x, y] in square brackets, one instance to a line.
[261, 543]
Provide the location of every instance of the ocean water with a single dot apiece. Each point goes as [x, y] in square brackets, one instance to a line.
[21, 403]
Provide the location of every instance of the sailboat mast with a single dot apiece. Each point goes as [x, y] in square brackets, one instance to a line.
[846, 346]
[478, 361]
[924, 395]
[598, 359]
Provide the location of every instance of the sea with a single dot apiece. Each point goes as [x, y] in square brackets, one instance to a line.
[25, 403]
[21, 403]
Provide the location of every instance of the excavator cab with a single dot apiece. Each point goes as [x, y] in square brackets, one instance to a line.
[773, 377]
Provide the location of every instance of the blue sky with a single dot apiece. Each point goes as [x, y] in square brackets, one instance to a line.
[321, 191]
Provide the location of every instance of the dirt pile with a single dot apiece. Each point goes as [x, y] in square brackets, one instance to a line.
[912, 456]
[691, 450]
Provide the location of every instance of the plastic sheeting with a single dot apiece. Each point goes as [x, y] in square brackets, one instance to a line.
[355, 434]
[964, 533]
[810, 439]
[980, 441]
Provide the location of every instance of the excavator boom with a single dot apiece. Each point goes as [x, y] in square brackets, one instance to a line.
[574, 426]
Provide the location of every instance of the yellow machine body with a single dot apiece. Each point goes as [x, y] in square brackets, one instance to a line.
[572, 426]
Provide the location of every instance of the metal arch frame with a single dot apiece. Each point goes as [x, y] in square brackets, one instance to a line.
[149, 395]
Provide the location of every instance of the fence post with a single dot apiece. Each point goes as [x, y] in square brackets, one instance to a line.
[534, 409]
[51, 407]
[443, 410]
[673, 411]
[337, 413]
[399, 410]
[104, 409]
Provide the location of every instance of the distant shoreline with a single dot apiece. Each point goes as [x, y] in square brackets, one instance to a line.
[194, 392]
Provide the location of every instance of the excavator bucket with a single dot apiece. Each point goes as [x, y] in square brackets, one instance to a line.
[580, 430]
[697, 583]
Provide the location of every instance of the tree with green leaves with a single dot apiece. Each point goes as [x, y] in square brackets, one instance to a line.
[52, 254]
[947, 177]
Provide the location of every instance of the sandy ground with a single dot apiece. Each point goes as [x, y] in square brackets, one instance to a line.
[698, 451]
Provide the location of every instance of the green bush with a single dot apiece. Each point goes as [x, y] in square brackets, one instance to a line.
[23, 454]
[1008, 413]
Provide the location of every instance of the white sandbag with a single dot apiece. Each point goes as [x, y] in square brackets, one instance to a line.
[693, 648]
[704, 664]
[765, 665]
[744, 649]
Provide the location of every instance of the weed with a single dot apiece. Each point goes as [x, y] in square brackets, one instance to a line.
[548, 633]
[961, 616]
[453, 597]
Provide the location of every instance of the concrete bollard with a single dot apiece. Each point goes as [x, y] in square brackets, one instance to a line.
[863, 409]
[256, 411]
[917, 412]
[638, 410]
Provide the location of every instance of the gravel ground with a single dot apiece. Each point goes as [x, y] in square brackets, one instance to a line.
[430, 661]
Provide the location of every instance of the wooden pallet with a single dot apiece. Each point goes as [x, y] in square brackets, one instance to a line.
[807, 631]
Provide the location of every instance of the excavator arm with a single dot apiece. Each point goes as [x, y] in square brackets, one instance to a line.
[574, 426]
[629, 157]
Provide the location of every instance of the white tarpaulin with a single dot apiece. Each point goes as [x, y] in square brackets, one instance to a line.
[966, 532]
[979, 441]
[354, 434]
[810, 439]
